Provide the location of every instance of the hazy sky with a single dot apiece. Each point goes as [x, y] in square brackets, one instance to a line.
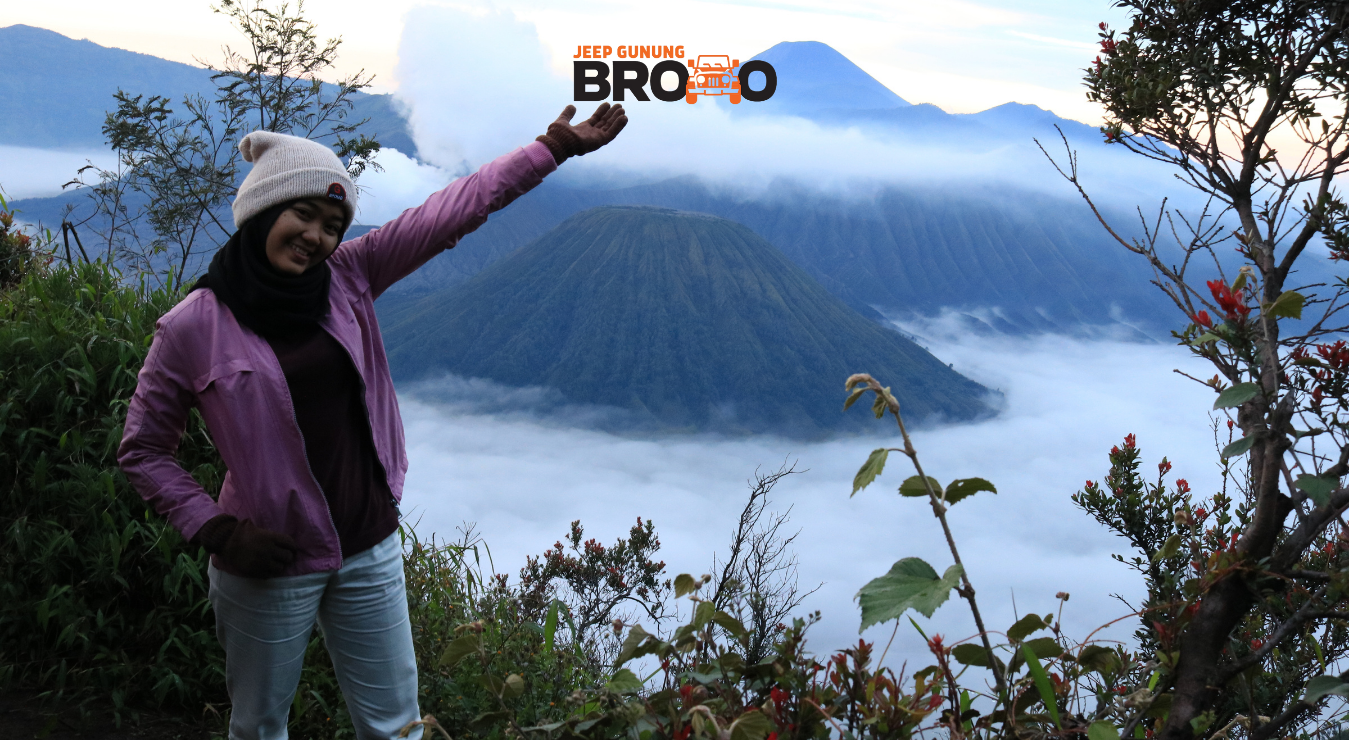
[963, 55]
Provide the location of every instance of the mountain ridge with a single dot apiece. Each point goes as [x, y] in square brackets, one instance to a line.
[56, 91]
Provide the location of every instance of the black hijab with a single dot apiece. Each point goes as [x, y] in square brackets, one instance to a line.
[262, 298]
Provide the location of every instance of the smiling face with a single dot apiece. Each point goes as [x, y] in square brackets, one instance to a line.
[304, 235]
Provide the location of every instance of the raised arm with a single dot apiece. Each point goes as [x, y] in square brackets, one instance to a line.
[394, 250]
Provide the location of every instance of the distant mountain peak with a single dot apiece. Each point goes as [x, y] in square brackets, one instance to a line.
[683, 318]
[814, 77]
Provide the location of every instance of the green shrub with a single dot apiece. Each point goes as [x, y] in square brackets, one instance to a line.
[98, 596]
[20, 253]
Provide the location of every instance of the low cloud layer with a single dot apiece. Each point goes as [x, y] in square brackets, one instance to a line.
[1069, 401]
[26, 172]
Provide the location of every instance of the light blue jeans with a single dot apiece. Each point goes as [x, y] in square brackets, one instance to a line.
[264, 625]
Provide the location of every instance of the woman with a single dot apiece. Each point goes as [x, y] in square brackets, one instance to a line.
[279, 349]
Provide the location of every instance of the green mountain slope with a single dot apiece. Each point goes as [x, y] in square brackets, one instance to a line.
[685, 318]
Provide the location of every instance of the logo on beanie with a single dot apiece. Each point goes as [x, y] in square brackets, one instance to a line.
[337, 192]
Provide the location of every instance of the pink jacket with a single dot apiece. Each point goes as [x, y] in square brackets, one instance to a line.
[201, 357]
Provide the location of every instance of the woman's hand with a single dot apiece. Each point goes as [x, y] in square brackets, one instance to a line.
[253, 551]
[565, 140]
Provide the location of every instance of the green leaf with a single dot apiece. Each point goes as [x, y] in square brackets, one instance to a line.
[630, 644]
[913, 487]
[852, 397]
[1287, 306]
[965, 487]
[625, 682]
[1323, 686]
[970, 653]
[873, 467]
[1045, 646]
[703, 613]
[685, 584]
[550, 625]
[910, 584]
[1025, 626]
[1102, 731]
[1098, 658]
[731, 625]
[1236, 395]
[752, 725]
[492, 683]
[1239, 447]
[458, 648]
[879, 406]
[1204, 338]
[515, 686]
[1037, 672]
[1168, 549]
[1317, 488]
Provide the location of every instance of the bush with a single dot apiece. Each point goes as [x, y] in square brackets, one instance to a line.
[98, 596]
[19, 252]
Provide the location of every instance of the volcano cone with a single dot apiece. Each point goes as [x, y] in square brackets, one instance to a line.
[688, 320]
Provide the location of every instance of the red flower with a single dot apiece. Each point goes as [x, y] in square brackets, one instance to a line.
[1183, 486]
[1164, 466]
[1335, 355]
[1201, 514]
[1257, 644]
[1233, 304]
[1202, 319]
[1129, 441]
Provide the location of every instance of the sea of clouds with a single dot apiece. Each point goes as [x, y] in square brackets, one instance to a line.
[522, 477]
[522, 464]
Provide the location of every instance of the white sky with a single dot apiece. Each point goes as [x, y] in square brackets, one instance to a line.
[962, 55]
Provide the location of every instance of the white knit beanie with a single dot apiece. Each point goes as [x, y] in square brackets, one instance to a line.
[287, 167]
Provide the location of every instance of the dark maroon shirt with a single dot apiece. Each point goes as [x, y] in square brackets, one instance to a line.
[326, 392]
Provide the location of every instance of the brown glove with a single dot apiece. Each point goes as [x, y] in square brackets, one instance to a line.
[253, 551]
[565, 140]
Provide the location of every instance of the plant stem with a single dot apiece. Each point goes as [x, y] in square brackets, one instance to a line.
[939, 510]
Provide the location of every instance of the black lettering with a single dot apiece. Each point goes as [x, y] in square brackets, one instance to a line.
[658, 73]
[582, 79]
[770, 80]
[633, 84]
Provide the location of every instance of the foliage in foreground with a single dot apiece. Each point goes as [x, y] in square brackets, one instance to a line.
[97, 596]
